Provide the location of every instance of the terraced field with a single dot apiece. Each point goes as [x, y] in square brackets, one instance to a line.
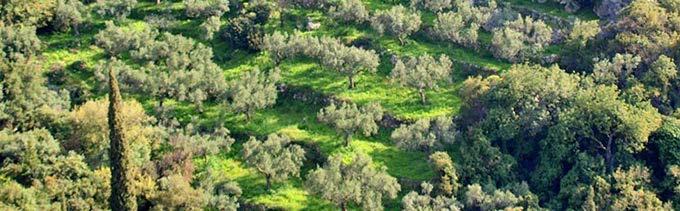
[297, 118]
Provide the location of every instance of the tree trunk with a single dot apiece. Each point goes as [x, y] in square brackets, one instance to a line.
[158, 1]
[269, 182]
[199, 107]
[351, 82]
[421, 91]
[75, 29]
[609, 156]
[160, 103]
[343, 206]
[348, 138]
[282, 17]
[401, 40]
[248, 114]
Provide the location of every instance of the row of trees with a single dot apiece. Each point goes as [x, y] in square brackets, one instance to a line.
[515, 40]
[423, 72]
[179, 68]
[350, 61]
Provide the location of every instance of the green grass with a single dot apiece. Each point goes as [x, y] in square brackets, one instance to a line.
[289, 195]
[297, 121]
[401, 102]
[293, 118]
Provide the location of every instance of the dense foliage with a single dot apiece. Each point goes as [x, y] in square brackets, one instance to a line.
[339, 104]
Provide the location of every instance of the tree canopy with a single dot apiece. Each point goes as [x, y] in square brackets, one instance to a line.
[354, 182]
[348, 119]
[276, 158]
[397, 21]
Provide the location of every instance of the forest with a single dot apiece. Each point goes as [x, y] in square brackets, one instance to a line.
[415, 105]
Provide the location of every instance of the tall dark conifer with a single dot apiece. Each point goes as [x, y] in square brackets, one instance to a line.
[121, 196]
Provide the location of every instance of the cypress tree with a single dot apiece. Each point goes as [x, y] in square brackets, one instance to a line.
[121, 196]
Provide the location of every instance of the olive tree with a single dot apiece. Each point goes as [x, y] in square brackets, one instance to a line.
[575, 55]
[115, 8]
[333, 54]
[349, 11]
[350, 61]
[457, 27]
[619, 70]
[515, 198]
[397, 21]
[521, 39]
[181, 68]
[27, 12]
[425, 134]
[205, 8]
[69, 14]
[18, 39]
[174, 67]
[433, 5]
[275, 158]
[116, 39]
[423, 72]
[254, 90]
[210, 26]
[163, 21]
[582, 32]
[276, 45]
[348, 119]
[358, 182]
[446, 172]
[425, 201]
